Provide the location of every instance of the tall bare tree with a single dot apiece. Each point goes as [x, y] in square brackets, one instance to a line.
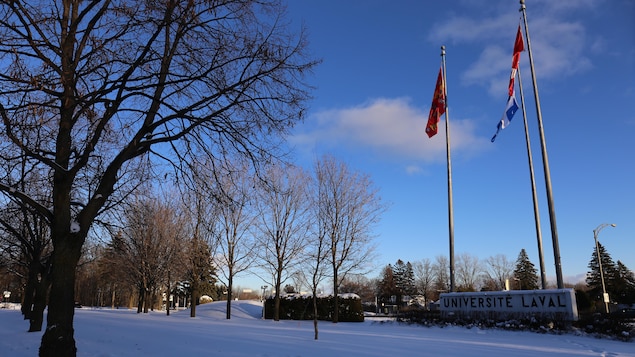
[468, 272]
[350, 206]
[234, 226]
[498, 269]
[88, 86]
[27, 235]
[317, 255]
[147, 248]
[424, 277]
[200, 204]
[441, 270]
[283, 208]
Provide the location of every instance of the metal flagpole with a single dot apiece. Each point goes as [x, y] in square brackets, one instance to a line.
[545, 159]
[447, 143]
[543, 277]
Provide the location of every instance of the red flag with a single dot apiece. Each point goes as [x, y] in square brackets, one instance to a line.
[519, 46]
[438, 106]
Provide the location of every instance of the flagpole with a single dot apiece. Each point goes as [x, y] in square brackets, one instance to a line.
[447, 143]
[543, 277]
[545, 159]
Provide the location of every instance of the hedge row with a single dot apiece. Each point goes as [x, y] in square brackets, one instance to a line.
[300, 307]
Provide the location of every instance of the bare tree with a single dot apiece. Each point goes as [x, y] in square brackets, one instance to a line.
[149, 245]
[317, 254]
[360, 285]
[89, 86]
[468, 272]
[424, 277]
[318, 257]
[112, 280]
[349, 208]
[497, 270]
[236, 218]
[284, 223]
[441, 269]
[199, 200]
[26, 236]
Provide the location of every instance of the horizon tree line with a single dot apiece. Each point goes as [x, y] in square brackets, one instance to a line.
[429, 279]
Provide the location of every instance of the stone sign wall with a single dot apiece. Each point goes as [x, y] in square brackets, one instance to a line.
[557, 303]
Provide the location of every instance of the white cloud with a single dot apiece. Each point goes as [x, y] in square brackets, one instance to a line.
[469, 29]
[488, 70]
[390, 128]
[559, 48]
[559, 45]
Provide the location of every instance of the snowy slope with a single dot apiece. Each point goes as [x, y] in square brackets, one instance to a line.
[121, 333]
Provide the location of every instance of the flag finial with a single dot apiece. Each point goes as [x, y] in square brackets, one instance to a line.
[443, 50]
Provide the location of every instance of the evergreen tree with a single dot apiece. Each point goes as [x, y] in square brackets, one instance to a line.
[594, 276]
[625, 286]
[410, 286]
[200, 271]
[525, 272]
[386, 285]
[404, 280]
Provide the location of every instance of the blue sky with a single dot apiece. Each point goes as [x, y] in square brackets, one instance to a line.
[371, 102]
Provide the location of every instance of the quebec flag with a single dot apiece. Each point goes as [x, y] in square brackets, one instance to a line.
[510, 110]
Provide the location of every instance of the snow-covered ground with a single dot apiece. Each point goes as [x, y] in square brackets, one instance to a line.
[106, 332]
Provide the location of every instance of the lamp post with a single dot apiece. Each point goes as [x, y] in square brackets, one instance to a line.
[596, 231]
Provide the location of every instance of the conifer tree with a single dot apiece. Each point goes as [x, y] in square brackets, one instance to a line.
[525, 272]
[594, 276]
[625, 286]
[404, 280]
[386, 285]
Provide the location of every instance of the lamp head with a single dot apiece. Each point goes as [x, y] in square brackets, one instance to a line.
[613, 224]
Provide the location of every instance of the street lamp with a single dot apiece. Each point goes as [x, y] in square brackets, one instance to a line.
[596, 231]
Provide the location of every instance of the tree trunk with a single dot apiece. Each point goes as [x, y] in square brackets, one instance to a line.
[147, 300]
[58, 339]
[194, 300]
[276, 307]
[278, 285]
[29, 291]
[131, 299]
[315, 315]
[112, 296]
[167, 297]
[141, 299]
[229, 296]
[336, 303]
[39, 302]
